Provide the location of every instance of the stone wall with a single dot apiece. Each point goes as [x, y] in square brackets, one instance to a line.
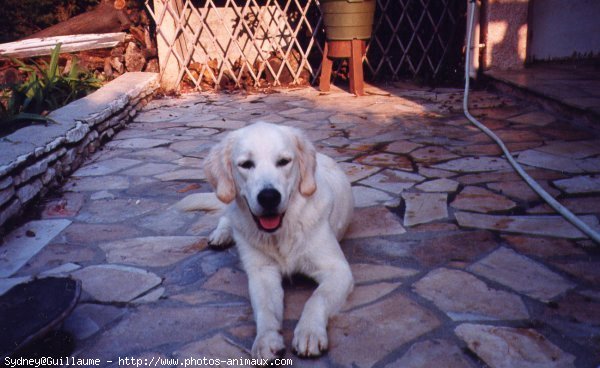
[37, 157]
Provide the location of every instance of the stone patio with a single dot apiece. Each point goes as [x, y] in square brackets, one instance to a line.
[457, 262]
[568, 87]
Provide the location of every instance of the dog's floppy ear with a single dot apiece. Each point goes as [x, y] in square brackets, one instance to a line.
[219, 170]
[307, 159]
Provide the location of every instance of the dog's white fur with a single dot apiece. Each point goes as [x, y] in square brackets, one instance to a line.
[317, 203]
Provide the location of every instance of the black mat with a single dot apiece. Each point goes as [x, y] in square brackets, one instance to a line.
[30, 311]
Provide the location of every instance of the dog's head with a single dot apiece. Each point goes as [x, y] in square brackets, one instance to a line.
[265, 165]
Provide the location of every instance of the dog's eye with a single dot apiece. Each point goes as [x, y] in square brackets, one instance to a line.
[248, 164]
[283, 161]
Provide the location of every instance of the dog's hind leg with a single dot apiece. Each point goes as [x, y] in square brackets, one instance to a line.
[222, 236]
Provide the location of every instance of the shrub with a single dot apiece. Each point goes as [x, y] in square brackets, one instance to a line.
[44, 89]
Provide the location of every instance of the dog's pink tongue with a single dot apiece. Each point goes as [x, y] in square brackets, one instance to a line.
[270, 222]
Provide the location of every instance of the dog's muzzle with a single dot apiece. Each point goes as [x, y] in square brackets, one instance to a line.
[270, 219]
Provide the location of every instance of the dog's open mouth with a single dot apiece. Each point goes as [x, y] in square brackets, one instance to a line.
[269, 223]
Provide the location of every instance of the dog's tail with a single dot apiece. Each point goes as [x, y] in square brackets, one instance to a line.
[200, 202]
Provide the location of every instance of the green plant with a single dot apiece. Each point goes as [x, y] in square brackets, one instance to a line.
[44, 89]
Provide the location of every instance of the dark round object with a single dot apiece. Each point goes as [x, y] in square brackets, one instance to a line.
[30, 311]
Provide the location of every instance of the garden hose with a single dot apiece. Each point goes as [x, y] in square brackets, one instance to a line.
[564, 212]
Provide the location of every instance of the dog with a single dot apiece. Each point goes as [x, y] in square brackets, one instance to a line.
[287, 208]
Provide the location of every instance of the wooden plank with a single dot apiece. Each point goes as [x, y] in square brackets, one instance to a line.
[71, 43]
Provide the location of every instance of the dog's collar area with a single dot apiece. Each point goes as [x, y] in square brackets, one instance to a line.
[270, 223]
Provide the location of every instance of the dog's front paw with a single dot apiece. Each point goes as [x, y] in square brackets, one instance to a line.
[309, 341]
[220, 238]
[268, 345]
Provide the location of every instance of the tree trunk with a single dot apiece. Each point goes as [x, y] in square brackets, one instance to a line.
[103, 19]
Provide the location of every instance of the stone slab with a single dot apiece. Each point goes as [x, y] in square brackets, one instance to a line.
[481, 200]
[580, 184]
[506, 347]
[572, 149]
[551, 162]
[216, 347]
[142, 330]
[230, 281]
[553, 226]
[25, 242]
[456, 247]
[116, 210]
[577, 205]
[137, 143]
[365, 273]
[103, 194]
[79, 233]
[439, 185]
[150, 297]
[167, 222]
[543, 247]
[521, 274]
[116, 283]
[183, 174]
[392, 181]
[520, 190]
[363, 295]
[106, 167]
[474, 164]
[112, 97]
[356, 172]
[153, 251]
[432, 154]
[62, 270]
[150, 169]
[402, 147]
[586, 270]
[463, 297]
[86, 184]
[364, 336]
[422, 208]
[432, 353]
[535, 118]
[387, 160]
[88, 319]
[374, 221]
[156, 153]
[367, 197]
[432, 173]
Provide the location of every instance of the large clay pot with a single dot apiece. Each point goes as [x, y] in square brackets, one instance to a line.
[348, 19]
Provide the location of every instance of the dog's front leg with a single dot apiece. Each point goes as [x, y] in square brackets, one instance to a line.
[222, 236]
[335, 284]
[266, 296]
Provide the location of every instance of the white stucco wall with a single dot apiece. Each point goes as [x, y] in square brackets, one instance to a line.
[564, 28]
[505, 34]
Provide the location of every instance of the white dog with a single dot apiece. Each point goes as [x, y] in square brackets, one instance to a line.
[288, 207]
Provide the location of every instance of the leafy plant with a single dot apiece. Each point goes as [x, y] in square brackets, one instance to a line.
[44, 89]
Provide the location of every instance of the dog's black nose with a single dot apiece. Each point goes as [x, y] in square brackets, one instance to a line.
[269, 198]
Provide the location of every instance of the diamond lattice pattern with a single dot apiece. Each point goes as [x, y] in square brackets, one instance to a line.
[239, 43]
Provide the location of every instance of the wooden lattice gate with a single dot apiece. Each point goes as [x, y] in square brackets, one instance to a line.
[237, 43]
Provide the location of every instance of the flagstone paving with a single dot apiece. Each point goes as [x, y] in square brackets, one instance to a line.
[457, 263]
